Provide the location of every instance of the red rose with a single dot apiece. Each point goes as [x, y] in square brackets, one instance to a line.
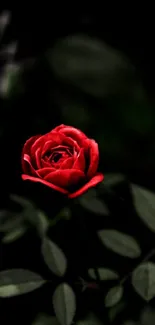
[63, 159]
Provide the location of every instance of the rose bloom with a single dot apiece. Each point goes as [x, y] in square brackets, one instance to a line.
[64, 159]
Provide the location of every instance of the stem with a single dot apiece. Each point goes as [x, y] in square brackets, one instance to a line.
[90, 242]
[146, 258]
[86, 232]
[62, 215]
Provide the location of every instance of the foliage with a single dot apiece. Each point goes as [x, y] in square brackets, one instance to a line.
[87, 261]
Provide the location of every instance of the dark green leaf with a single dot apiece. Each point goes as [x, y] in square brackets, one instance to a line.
[147, 316]
[18, 281]
[144, 201]
[32, 215]
[54, 257]
[64, 303]
[130, 322]
[116, 310]
[112, 179]
[113, 296]
[43, 319]
[90, 319]
[10, 79]
[9, 220]
[14, 235]
[93, 204]
[143, 280]
[4, 21]
[120, 243]
[43, 223]
[105, 274]
[91, 65]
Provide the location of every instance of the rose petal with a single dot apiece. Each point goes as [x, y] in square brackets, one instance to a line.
[67, 164]
[62, 149]
[71, 143]
[45, 171]
[40, 180]
[80, 161]
[37, 144]
[26, 149]
[45, 164]
[94, 158]
[59, 127]
[38, 158]
[72, 132]
[65, 177]
[67, 140]
[29, 168]
[56, 139]
[93, 182]
[47, 146]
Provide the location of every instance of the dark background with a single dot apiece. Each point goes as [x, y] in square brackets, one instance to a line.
[93, 70]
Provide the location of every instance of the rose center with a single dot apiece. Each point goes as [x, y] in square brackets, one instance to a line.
[56, 157]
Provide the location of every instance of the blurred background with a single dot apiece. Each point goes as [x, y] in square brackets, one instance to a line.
[90, 69]
[94, 71]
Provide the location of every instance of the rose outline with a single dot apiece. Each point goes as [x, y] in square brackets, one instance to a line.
[64, 159]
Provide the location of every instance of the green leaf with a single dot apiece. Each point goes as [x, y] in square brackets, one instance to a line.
[9, 220]
[43, 223]
[54, 257]
[90, 202]
[64, 214]
[120, 243]
[4, 21]
[143, 280]
[35, 217]
[82, 119]
[25, 203]
[113, 296]
[116, 310]
[91, 65]
[112, 179]
[64, 303]
[130, 322]
[144, 202]
[11, 79]
[29, 212]
[44, 319]
[105, 274]
[90, 319]
[14, 235]
[18, 281]
[147, 316]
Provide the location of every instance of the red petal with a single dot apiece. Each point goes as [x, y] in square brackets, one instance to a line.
[27, 148]
[45, 164]
[80, 161]
[37, 144]
[93, 182]
[67, 164]
[28, 166]
[65, 177]
[47, 146]
[40, 180]
[45, 171]
[38, 158]
[94, 158]
[55, 139]
[71, 143]
[58, 128]
[71, 132]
